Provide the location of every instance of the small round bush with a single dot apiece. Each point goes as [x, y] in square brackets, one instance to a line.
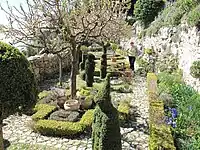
[17, 83]
[195, 69]
[147, 10]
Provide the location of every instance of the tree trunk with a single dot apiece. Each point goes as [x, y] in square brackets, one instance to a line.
[60, 69]
[73, 72]
[78, 59]
[1, 131]
[104, 49]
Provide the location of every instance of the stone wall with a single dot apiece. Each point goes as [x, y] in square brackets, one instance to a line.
[183, 41]
[46, 65]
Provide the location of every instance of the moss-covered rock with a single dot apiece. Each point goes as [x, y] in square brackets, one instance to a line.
[105, 129]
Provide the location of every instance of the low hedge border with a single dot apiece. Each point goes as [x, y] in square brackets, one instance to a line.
[160, 133]
[42, 111]
[59, 128]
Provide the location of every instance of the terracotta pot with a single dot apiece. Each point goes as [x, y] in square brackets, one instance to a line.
[72, 105]
[113, 59]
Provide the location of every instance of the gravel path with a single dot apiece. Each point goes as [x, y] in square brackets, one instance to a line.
[134, 137]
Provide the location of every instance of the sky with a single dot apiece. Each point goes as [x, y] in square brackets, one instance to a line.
[3, 19]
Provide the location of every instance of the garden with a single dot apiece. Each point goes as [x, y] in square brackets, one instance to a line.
[97, 102]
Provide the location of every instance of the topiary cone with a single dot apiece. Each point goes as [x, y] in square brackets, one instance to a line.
[105, 129]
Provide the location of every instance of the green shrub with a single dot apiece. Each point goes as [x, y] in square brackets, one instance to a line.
[105, 128]
[167, 80]
[193, 18]
[43, 94]
[61, 128]
[148, 51]
[103, 71]
[18, 86]
[124, 111]
[87, 118]
[181, 94]
[147, 10]
[159, 138]
[195, 69]
[160, 133]
[84, 92]
[114, 46]
[42, 111]
[89, 70]
[58, 128]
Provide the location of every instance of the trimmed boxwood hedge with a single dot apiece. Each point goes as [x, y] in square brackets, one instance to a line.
[18, 89]
[59, 128]
[160, 133]
[43, 110]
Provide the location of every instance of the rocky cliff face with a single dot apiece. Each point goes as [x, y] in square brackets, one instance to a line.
[183, 41]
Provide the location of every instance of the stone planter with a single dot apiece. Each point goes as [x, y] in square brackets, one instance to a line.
[72, 105]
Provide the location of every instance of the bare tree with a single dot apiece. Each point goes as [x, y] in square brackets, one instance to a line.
[60, 27]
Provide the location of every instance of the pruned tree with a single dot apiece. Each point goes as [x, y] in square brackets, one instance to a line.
[61, 27]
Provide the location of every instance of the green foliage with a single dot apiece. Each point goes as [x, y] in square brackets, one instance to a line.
[84, 92]
[187, 102]
[168, 62]
[105, 128]
[84, 48]
[42, 111]
[60, 128]
[43, 94]
[181, 93]
[173, 14]
[103, 66]
[124, 107]
[144, 65]
[87, 118]
[193, 18]
[148, 51]
[195, 69]
[89, 70]
[167, 80]
[124, 111]
[114, 46]
[159, 138]
[18, 86]
[147, 10]
[160, 133]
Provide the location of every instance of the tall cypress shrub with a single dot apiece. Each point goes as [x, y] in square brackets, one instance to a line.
[105, 129]
[103, 70]
[89, 70]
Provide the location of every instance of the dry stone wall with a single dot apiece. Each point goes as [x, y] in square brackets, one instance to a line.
[183, 41]
[46, 65]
